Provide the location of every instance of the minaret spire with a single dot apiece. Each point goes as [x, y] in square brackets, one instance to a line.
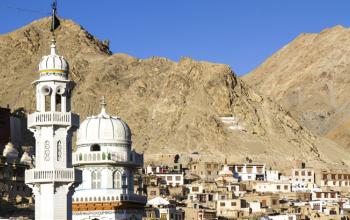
[55, 22]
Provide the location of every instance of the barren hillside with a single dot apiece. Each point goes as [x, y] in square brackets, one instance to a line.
[310, 77]
[171, 107]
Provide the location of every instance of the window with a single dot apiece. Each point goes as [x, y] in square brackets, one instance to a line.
[117, 178]
[222, 204]
[278, 187]
[233, 204]
[309, 173]
[208, 166]
[296, 173]
[178, 178]
[95, 147]
[209, 172]
[195, 189]
[96, 180]
[169, 178]
[216, 166]
[285, 187]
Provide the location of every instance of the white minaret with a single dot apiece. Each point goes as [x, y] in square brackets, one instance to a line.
[53, 179]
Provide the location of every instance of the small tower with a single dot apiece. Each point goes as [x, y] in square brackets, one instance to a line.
[53, 179]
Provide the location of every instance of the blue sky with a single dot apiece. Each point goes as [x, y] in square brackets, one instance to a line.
[240, 33]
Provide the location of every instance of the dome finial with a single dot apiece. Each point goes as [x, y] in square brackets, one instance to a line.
[53, 45]
[103, 107]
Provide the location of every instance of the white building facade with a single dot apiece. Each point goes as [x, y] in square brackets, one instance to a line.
[53, 179]
[108, 164]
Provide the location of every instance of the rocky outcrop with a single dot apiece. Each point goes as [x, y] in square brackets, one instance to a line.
[172, 107]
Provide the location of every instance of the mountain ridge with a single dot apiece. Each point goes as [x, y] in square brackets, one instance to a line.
[171, 107]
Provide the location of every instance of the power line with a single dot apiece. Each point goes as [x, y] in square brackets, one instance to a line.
[28, 10]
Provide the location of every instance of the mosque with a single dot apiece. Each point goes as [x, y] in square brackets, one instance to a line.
[97, 181]
[108, 164]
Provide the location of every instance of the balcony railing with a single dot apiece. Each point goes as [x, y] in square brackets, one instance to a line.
[53, 118]
[103, 157]
[43, 176]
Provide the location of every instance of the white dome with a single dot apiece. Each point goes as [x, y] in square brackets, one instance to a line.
[53, 64]
[104, 129]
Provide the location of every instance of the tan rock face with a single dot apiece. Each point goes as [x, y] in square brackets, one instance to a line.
[310, 77]
[172, 108]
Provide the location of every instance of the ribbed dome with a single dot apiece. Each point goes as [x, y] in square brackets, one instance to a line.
[53, 64]
[103, 129]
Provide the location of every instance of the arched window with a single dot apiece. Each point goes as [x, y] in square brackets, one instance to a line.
[96, 180]
[95, 147]
[117, 180]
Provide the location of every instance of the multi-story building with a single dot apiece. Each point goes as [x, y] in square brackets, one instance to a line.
[249, 172]
[326, 196]
[205, 170]
[228, 208]
[336, 180]
[272, 175]
[171, 179]
[303, 179]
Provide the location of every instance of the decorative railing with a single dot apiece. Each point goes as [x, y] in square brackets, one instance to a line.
[53, 118]
[42, 176]
[106, 195]
[103, 157]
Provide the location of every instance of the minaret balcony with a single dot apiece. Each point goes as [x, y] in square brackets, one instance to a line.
[53, 118]
[34, 176]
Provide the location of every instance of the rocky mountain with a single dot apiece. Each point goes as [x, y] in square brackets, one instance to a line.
[310, 77]
[172, 107]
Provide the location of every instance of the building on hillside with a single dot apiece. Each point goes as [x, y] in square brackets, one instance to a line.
[337, 180]
[5, 128]
[326, 196]
[172, 178]
[229, 208]
[303, 179]
[159, 208]
[273, 187]
[249, 172]
[12, 169]
[272, 175]
[205, 170]
[200, 213]
[225, 176]
[13, 128]
[108, 163]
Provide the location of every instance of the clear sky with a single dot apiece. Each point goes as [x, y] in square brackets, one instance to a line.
[240, 33]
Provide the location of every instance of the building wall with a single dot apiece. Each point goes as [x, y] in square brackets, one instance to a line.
[5, 129]
[273, 187]
[248, 172]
